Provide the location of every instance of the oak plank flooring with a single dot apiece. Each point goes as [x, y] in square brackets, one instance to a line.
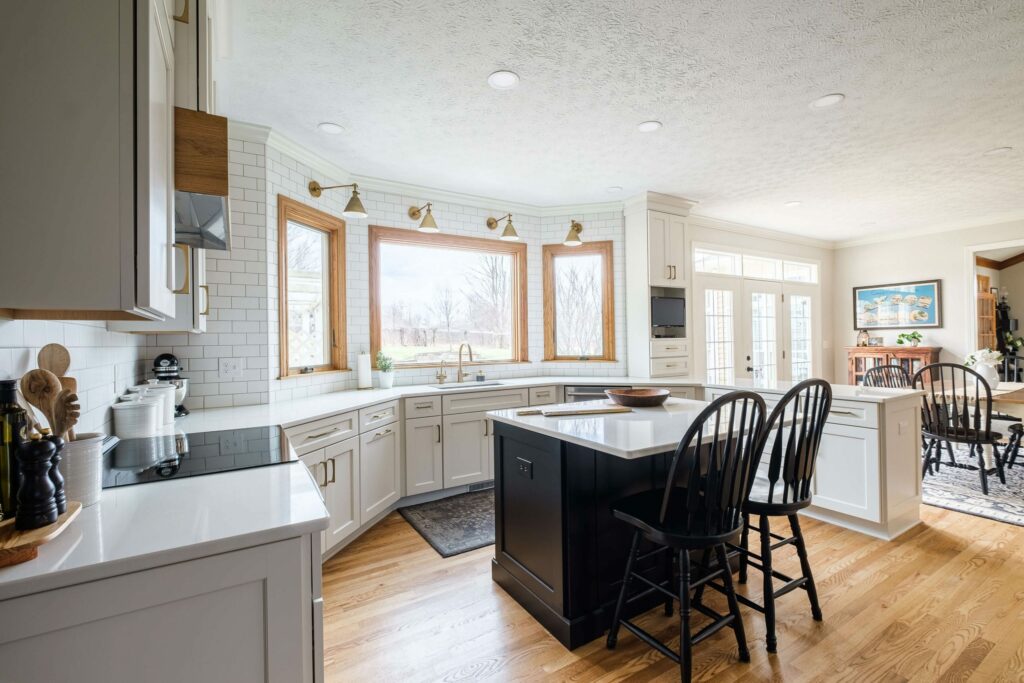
[945, 602]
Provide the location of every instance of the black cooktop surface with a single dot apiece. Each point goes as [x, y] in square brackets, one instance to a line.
[157, 458]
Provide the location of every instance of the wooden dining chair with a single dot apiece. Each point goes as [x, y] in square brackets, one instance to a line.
[700, 508]
[957, 408]
[888, 377]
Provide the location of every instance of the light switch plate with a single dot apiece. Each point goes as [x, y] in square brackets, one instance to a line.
[230, 369]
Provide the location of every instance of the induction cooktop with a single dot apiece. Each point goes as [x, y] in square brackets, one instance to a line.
[158, 458]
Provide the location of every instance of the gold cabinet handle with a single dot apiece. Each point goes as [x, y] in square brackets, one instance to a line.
[322, 434]
[206, 309]
[438, 433]
[334, 471]
[183, 17]
[424, 405]
[851, 413]
[323, 485]
[186, 286]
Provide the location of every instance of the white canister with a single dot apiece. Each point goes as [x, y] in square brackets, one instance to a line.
[138, 419]
[82, 466]
[164, 392]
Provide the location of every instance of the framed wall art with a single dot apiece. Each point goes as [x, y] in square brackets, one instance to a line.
[898, 306]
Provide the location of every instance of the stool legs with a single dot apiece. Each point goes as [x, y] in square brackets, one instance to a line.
[744, 537]
[768, 585]
[613, 632]
[685, 641]
[734, 605]
[805, 566]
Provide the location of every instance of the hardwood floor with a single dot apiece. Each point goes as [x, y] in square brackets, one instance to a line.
[943, 603]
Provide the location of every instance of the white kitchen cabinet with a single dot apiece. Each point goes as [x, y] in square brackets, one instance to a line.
[235, 617]
[423, 455]
[341, 495]
[540, 396]
[380, 473]
[314, 461]
[191, 298]
[666, 251]
[193, 55]
[87, 161]
[847, 472]
[466, 448]
[688, 393]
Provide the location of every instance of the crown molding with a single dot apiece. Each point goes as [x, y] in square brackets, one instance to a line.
[252, 132]
[656, 201]
[892, 236]
[754, 231]
[422, 193]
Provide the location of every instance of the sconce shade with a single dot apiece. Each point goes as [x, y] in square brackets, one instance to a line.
[354, 208]
[509, 234]
[428, 224]
[572, 238]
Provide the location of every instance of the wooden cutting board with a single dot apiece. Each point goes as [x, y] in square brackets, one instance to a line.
[21, 546]
[563, 412]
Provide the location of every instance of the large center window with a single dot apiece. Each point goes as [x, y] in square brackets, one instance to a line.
[429, 294]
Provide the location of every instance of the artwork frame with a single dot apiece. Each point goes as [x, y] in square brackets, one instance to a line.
[896, 306]
[876, 341]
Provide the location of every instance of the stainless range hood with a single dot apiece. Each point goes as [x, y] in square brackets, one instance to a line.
[202, 220]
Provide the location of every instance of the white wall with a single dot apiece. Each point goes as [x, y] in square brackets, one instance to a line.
[1012, 279]
[937, 255]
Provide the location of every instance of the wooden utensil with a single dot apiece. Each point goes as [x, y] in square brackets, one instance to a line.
[40, 388]
[55, 358]
[71, 384]
[66, 411]
[21, 546]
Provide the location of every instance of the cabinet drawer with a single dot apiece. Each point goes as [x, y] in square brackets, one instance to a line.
[423, 406]
[377, 416]
[310, 436]
[540, 396]
[485, 400]
[854, 414]
[667, 367]
[667, 348]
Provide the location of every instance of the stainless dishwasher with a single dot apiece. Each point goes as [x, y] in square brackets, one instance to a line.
[575, 394]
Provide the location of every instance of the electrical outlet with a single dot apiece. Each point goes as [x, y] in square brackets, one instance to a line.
[230, 369]
[525, 468]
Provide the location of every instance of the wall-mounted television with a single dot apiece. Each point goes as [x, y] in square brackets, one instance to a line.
[668, 311]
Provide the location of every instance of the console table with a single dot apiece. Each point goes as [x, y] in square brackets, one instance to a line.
[860, 359]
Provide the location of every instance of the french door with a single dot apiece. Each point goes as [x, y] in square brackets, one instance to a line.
[757, 329]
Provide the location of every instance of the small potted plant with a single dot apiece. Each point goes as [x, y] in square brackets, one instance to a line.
[912, 338]
[386, 366]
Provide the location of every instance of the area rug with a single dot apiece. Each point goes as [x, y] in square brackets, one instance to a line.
[455, 525]
[960, 490]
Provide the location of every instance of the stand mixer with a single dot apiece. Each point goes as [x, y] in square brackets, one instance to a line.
[167, 368]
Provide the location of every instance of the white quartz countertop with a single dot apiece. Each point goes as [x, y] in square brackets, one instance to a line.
[643, 432]
[148, 525]
[844, 392]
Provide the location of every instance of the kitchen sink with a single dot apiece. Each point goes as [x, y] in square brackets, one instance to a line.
[464, 385]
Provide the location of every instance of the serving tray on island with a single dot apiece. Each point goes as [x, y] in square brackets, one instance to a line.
[21, 546]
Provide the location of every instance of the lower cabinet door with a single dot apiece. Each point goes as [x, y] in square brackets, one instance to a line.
[423, 460]
[380, 477]
[466, 451]
[846, 475]
[314, 460]
[342, 493]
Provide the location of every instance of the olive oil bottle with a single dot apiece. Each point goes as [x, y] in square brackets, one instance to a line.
[12, 432]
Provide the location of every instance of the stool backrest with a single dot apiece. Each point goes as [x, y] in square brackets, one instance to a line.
[957, 402]
[792, 436]
[713, 462]
[887, 376]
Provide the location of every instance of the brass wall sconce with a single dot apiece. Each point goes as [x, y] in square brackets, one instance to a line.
[354, 208]
[428, 224]
[509, 234]
[572, 239]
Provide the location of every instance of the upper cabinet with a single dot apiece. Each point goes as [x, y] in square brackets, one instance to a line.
[193, 49]
[88, 160]
[666, 249]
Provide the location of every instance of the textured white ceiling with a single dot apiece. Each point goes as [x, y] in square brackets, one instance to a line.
[1001, 254]
[930, 85]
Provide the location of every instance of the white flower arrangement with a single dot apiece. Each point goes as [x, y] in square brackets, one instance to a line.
[986, 357]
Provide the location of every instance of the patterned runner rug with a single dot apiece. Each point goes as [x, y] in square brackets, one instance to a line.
[960, 490]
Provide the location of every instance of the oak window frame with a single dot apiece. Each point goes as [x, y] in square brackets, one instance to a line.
[552, 251]
[517, 250]
[290, 210]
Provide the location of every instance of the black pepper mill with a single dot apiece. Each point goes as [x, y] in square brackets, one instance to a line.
[55, 476]
[36, 504]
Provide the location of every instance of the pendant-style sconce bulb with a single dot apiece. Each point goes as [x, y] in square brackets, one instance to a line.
[509, 234]
[428, 224]
[572, 239]
[354, 208]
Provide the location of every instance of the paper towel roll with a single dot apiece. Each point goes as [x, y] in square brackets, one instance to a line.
[364, 376]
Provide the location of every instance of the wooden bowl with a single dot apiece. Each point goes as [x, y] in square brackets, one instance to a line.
[638, 398]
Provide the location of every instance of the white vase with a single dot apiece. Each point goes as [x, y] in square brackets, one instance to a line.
[82, 466]
[387, 379]
[989, 373]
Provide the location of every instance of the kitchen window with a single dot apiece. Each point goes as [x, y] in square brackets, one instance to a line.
[311, 295]
[579, 311]
[431, 293]
[752, 265]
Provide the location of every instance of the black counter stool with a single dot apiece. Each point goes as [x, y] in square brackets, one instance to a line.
[957, 408]
[782, 486]
[1013, 445]
[699, 509]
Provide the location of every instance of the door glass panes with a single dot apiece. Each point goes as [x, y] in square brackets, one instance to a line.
[716, 262]
[800, 272]
[719, 335]
[762, 268]
[763, 337]
[800, 336]
[308, 303]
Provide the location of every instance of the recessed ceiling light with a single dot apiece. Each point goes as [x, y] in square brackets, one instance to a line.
[503, 80]
[648, 126]
[613, 189]
[330, 128]
[793, 205]
[829, 100]
[997, 150]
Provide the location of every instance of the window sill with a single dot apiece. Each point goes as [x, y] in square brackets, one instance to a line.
[579, 360]
[315, 373]
[455, 364]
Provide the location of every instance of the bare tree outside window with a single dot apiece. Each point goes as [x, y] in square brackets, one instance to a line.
[578, 308]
